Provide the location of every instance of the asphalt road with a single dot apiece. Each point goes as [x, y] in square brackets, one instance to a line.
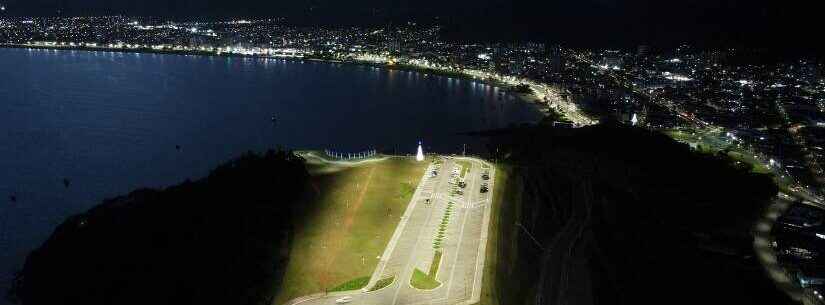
[461, 269]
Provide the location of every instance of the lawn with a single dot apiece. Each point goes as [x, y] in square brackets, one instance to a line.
[383, 283]
[353, 284]
[423, 281]
[758, 167]
[709, 144]
[465, 167]
[354, 213]
[435, 264]
[427, 281]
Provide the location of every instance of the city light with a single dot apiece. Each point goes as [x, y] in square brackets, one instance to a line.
[676, 77]
[673, 83]
[730, 136]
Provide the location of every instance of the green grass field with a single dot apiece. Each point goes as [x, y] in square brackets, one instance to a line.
[709, 144]
[427, 281]
[465, 167]
[436, 263]
[383, 283]
[354, 212]
[758, 167]
[423, 281]
[358, 283]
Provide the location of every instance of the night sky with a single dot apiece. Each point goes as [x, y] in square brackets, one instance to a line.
[793, 24]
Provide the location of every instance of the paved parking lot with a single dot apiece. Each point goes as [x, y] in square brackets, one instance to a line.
[463, 247]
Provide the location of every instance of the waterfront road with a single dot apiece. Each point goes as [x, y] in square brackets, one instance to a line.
[411, 247]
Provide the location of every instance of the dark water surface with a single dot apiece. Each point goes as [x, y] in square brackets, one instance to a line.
[110, 123]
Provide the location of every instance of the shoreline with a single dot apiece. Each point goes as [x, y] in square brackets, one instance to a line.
[531, 99]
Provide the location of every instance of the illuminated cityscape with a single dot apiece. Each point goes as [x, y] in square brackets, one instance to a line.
[711, 98]
[742, 119]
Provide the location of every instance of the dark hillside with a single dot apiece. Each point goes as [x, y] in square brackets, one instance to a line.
[628, 216]
[219, 240]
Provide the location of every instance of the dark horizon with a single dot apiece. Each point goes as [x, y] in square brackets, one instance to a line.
[783, 27]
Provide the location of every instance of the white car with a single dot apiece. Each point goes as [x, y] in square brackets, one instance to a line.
[343, 300]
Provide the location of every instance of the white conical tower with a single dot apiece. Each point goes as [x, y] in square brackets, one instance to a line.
[420, 155]
[634, 120]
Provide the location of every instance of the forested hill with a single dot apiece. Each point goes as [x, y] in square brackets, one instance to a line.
[624, 215]
[220, 240]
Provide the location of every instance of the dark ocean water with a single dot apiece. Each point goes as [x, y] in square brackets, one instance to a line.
[110, 123]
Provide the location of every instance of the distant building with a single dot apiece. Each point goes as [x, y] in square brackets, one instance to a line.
[612, 59]
[643, 50]
[556, 60]
[393, 45]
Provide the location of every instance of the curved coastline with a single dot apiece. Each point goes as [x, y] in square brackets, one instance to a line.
[530, 99]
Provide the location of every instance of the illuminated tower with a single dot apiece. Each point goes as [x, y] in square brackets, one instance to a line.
[420, 155]
[634, 120]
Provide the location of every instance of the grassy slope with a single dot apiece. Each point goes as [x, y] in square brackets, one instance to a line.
[351, 222]
[633, 178]
[215, 240]
[501, 219]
